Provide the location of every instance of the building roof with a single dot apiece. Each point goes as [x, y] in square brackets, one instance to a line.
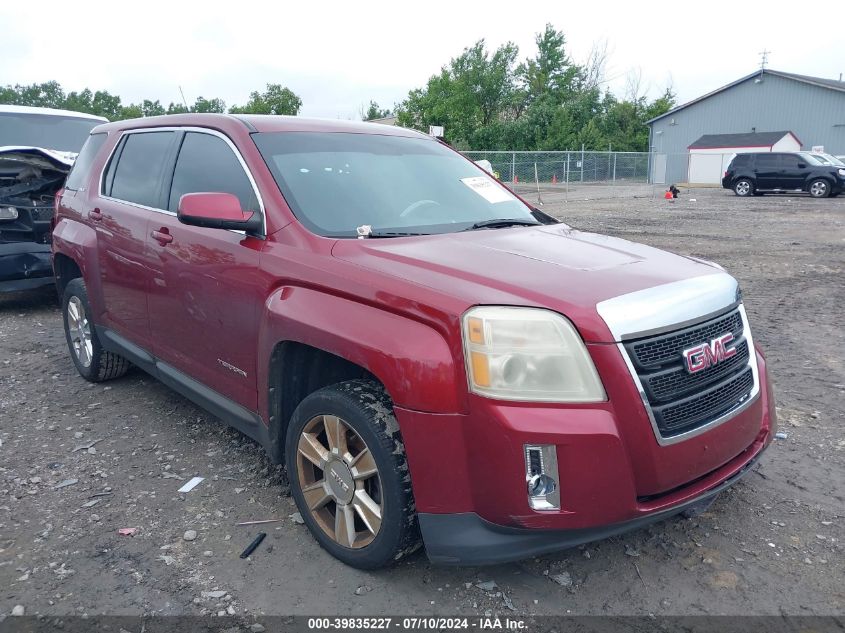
[831, 84]
[746, 139]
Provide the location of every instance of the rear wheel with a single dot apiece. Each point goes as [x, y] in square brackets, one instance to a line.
[819, 188]
[349, 476]
[92, 361]
[743, 187]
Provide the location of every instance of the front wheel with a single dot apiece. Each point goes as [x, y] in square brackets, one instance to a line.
[349, 476]
[743, 187]
[93, 363]
[819, 188]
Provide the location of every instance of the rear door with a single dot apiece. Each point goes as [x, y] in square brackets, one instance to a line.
[206, 289]
[769, 171]
[131, 190]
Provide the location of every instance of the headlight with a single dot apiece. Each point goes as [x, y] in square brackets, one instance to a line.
[842, 172]
[8, 213]
[528, 354]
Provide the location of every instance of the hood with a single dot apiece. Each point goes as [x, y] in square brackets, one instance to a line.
[555, 267]
[12, 157]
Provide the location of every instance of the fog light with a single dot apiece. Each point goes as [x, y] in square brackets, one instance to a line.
[541, 476]
[8, 213]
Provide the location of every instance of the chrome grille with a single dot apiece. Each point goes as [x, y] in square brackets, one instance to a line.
[679, 401]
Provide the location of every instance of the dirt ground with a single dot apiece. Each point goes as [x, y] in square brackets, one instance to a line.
[771, 545]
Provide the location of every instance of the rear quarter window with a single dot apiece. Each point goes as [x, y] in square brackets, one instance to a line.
[741, 160]
[82, 166]
[136, 174]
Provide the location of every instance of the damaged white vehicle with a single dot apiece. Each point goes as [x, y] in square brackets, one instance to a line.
[37, 149]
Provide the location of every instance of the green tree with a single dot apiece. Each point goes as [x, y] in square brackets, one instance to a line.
[276, 99]
[107, 105]
[551, 72]
[472, 91]
[208, 105]
[373, 111]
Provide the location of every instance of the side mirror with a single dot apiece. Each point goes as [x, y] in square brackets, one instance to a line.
[217, 210]
[802, 165]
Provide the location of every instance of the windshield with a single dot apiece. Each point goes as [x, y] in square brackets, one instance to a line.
[64, 133]
[813, 159]
[827, 159]
[336, 182]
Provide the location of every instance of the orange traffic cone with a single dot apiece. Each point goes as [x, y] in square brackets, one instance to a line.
[668, 195]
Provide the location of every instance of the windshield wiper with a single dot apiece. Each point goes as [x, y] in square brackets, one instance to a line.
[391, 234]
[500, 223]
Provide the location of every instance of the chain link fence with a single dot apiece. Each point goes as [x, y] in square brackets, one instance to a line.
[595, 175]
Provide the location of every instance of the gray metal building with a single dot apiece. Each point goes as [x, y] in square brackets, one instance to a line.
[764, 101]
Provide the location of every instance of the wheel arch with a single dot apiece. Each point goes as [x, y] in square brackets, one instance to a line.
[309, 339]
[65, 269]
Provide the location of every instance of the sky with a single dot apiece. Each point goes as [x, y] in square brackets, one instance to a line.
[338, 56]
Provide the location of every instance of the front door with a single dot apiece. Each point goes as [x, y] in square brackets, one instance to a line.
[206, 290]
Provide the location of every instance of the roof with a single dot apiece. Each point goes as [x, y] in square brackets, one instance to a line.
[831, 84]
[746, 139]
[18, 109]
[261, 123]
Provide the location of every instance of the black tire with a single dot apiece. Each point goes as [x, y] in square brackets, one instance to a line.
[96, 364]
[365, 408]
[744, 187]
[819, 188]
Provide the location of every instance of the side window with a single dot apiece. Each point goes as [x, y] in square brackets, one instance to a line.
[82, 166]
[768, 161]
[741, 160]
[137, 176]
[207, 163]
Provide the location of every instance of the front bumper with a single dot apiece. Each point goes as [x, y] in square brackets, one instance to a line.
[25, 266]
[468, 471]
[467, 539]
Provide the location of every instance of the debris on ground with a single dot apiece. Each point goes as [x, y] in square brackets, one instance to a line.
[127, 531]
[360, 591]
[193, 483]
[214, 595]
[65, 483]
[190, 535]
[255, 543]
[564, 579]
[88, 446]
[296, 517]
[18, 609]
[631, 551]
[262, 521]
[487, 585]
[780, 435]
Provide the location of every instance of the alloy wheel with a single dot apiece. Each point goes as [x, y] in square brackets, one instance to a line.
[743, 187]
[340, 481]
[80, 331]
[818, 189]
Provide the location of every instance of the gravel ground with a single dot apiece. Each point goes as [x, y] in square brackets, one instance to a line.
[78, 462]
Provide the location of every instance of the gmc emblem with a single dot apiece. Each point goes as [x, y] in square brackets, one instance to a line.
[702, 356]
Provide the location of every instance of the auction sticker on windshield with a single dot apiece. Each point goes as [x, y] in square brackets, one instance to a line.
[487, 189]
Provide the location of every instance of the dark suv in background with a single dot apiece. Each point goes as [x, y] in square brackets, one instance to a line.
[756, 173]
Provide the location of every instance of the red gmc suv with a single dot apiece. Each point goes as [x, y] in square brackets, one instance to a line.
[428, 355]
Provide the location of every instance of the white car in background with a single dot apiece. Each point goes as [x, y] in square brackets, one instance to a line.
[37, 149]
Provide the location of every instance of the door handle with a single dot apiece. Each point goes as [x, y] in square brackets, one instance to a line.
[162, 236]
[95, 215]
